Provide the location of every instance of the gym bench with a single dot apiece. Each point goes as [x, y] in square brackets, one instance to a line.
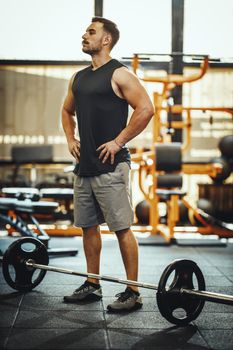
[19, 215]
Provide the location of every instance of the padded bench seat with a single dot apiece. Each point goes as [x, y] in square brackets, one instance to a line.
[13, 191]
[215, 222]
[7, 203]
[54, 192]
[166, 194]
[57, 193]
[39, 207]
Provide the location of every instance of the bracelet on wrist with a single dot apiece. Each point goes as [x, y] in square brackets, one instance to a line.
[117, 144]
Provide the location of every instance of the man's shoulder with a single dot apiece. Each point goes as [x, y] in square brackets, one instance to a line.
[122, 72]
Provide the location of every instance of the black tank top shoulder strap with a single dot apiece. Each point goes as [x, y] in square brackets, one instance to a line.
[117, 64]
[80, 73]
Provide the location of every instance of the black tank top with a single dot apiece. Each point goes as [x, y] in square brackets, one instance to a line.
[101, 116]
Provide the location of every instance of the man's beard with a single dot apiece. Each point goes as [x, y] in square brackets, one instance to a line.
[91, 51]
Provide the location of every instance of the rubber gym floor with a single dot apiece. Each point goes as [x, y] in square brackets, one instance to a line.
[40, 320]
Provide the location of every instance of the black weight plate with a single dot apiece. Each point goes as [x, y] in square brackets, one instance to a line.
[16, 273]
[178, 308]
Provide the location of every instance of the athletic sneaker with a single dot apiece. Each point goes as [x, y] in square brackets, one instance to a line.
[87, 291]
[126, 301]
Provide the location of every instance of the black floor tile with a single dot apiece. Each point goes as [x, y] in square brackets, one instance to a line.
[214, 321]
[2, 279]
[59, 319]
[10, 301]
[4, 333]
[37, 302]
[211, 271]
[217, 281]
[214, 307]
[7, 317]
[223, 262]
[172, 338]
[70, 263]
[58, 278]
[227, 271]
[137, 319]
[219, 339]
[55, 339]
[149, 278]
[5, 289]
[222, 289]
[54, 290]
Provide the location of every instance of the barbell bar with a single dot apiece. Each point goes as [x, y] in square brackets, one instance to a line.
[31, 263]
[208, 296]
[179, 295]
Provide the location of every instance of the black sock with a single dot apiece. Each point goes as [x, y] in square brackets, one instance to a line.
[95, 285]
[137, 293]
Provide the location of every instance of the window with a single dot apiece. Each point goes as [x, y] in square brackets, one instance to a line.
[145, 25]
[43, 29]
[208, 27]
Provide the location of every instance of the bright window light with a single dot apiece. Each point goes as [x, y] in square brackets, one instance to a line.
[43, 29]
[145, 26]
[208, 27]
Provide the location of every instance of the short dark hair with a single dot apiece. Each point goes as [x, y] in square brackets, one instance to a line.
[109, 27]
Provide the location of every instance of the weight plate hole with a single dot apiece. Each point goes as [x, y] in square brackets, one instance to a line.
[171, 279]
[28, 247]
[179, 313]
[12, 273]
[35, 275]
[195, 282]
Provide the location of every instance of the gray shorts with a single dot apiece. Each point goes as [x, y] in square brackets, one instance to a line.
[104, 198]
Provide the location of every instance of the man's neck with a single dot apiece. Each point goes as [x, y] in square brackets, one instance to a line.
[100, 60]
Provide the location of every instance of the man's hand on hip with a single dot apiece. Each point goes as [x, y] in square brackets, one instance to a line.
[108, 149]
[74, 148]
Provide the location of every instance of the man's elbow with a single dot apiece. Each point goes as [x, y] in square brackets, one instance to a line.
[66, 111]
[149, 111]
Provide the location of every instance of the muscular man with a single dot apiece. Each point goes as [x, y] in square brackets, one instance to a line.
[99, 96]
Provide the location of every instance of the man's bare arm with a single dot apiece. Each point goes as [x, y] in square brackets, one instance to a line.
[69, 122]
[136, 95]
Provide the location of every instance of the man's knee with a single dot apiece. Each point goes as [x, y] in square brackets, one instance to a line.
[91, 229]
[125, 231]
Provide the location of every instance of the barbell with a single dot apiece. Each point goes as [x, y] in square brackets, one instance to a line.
[177, 300]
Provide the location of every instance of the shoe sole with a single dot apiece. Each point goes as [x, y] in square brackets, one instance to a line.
[134, 308]
[91, 297]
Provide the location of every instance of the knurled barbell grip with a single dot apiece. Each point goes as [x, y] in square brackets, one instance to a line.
[30, 263]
